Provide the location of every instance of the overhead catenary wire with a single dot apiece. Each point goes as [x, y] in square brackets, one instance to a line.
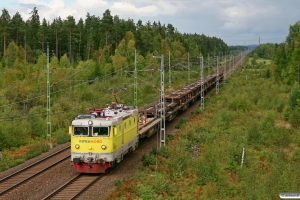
[84, 82]
[35, 115]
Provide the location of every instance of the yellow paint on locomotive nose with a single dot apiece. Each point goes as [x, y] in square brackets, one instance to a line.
[90, 148]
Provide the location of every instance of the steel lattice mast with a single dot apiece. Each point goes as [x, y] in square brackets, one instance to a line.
[225, 68]
[135, 80]
[189, 68]
[48, 134]
[217, 78]
[169, 70]
[162, 109]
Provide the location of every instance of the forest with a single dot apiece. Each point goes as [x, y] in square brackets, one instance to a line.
[285, 66]
[95, 38]
[85, 59]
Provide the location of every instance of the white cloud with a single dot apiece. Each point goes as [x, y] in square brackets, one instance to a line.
[33, 2]
[248, 16]
[56, 4]
[90, 4]
[130, 9]
[234, 18]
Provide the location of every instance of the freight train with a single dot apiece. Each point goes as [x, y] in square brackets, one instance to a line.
[101, 138]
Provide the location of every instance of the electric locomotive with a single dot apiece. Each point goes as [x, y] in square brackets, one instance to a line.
[100, 139]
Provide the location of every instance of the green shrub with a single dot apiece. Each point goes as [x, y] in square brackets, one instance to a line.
[19, 161]
[154, 150]
[178, 162]
[240, 102]
[281, 136]
[268, 122]
[146, 191]
[6, 163]
[279, 103]
[297, 156]
[62, 137]
[182, 123]
[294, 100]
[223, 119]
[198, 111]
[164, 152]
[254, 135]
[207, 169]
[286, 112]
[205, 136]
[119, 182]
[169, 138]
[265, 73]
[35, 150]
[190, 135]
[148, 160]
[234, 156]
[37, 124]
[162, 185]
[294, 118]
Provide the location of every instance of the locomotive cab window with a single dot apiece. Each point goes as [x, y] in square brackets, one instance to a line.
[81, 131]
[100, 131]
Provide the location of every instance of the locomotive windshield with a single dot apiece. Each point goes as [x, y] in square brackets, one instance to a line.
[81, 131]
[91, 131]
[100, 131]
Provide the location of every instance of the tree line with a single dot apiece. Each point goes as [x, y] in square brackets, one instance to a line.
[285, 66]
[94, 37]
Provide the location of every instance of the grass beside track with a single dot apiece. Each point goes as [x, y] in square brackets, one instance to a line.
[205, 159]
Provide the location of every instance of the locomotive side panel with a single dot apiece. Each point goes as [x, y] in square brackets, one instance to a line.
[130, 136]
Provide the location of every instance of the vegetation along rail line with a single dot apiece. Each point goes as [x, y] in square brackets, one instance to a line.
[94, 158]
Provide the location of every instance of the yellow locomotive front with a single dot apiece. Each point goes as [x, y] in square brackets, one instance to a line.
[100, 140]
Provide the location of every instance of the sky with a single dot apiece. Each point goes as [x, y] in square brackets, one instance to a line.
[236, 22]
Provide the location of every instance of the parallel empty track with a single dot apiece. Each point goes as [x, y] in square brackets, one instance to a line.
[10, 182]
[74, 187]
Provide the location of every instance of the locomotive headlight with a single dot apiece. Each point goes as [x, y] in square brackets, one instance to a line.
[90, 122]
[77, 146]
[103, 147]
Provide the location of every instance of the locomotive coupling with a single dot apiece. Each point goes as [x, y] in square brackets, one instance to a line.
[89, 161]
[101, 160]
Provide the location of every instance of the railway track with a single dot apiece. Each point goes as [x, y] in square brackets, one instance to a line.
[22, 176]
[74, 187]
[81, 184]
